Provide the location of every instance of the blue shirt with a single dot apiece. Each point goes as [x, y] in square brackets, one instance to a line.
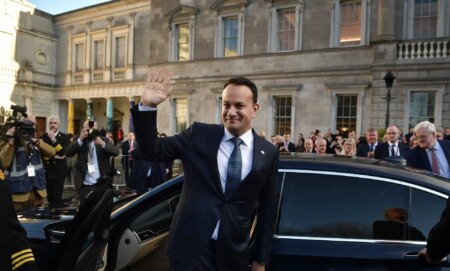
[444, 169]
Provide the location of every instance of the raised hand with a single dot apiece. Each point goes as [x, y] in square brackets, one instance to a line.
[157, 88]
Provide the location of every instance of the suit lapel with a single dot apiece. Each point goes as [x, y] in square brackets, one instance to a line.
[214, 140]
[424, 157]
[259, 158]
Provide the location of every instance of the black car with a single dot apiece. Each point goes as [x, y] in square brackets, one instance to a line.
[334, 213]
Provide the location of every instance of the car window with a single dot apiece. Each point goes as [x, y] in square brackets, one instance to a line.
[319, 205]
[156, 219]
[426, 210]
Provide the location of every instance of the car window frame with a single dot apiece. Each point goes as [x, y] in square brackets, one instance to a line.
[352, 175]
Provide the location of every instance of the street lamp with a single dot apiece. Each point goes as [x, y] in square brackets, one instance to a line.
[389, 80]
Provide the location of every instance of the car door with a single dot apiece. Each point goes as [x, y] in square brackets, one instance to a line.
[140, 229]
[342, 221]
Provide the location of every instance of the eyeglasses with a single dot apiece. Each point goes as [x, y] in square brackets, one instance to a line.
[53, 123]
[423, 137]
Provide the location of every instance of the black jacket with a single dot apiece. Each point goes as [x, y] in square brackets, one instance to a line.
[203, 202]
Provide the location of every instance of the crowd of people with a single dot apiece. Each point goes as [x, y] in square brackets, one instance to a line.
[394, 145]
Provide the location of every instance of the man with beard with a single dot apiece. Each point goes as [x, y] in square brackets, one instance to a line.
[55, 167]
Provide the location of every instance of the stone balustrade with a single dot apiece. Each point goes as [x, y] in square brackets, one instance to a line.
[423, 49]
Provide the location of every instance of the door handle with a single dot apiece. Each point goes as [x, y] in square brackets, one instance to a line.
[414, 256]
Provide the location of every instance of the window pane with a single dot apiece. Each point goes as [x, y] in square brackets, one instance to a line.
[282, 115]
[350, 28]
[79, 57]
[98, 58]
[346, 113]
[357, 205]
[183, 42]
[426, 210]
[120, 52]
[181, 113]
[425, 19]
[230, 36]
[286, 29]
[421, 107]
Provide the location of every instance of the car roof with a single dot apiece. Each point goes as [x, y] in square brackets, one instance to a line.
[358, 165]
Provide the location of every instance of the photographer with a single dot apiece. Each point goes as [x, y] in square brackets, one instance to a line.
[21, 156]
[92, 167]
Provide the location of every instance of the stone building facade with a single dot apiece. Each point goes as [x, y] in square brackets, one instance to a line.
[318, 64]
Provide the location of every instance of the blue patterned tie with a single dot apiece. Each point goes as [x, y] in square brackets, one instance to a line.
[234, 168]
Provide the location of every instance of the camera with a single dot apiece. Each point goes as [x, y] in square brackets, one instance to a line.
[24, 128]
[92, 133]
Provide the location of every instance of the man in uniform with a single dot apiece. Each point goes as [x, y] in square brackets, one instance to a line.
[55, 167]
[15, 252]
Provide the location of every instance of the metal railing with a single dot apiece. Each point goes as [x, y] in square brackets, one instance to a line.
[118, 179]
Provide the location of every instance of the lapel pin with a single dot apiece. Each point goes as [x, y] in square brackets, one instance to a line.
[262, 152]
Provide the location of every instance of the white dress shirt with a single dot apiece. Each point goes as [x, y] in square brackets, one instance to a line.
[225, 149]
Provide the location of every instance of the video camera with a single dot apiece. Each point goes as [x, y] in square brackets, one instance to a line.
[92, 133]
[24, 128]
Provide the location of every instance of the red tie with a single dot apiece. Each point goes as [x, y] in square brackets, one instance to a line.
[434, 162]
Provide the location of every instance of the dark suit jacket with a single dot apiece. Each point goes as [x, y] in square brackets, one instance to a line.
[203, 202]
[103, 158]
[363, 149]
[138, 175]
[382, 150]
[125, 158]
[56, 168]
[418, 158]
[438, 244]
[291, 147]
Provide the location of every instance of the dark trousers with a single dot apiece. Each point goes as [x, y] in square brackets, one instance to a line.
[55, 189]
[206, 262]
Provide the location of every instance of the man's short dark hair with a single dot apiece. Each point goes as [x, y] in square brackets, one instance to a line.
[242, 81]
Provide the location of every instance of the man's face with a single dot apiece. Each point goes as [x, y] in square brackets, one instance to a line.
[308, 145]
[273, 139]
[426, 140]
[339, 140]
[439, 136]
[238, 109]
[286, 138]
[130, 136]
[392, 133]
[53, 125]
[372, 137]
[321, 146]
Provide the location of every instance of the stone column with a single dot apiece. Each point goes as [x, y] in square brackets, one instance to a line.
[131, 125]
[108, 49]
[89, 110]
[109, 114]
[386, 19]
[55, 106]
[70, 117]
[130, 54]
[69, 55]
[88, 51]
[29, 104]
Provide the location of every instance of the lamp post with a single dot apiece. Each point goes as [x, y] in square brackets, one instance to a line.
[389, 80]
